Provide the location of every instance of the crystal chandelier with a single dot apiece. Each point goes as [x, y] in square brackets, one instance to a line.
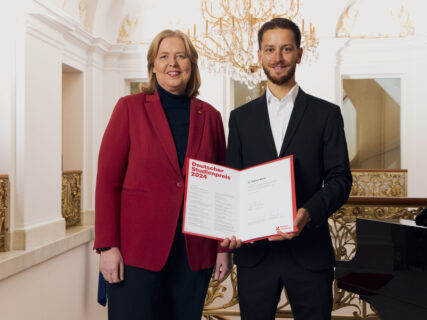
[229, 42]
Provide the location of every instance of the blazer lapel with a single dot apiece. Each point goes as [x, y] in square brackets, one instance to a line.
[197, 121]
[296, 116]
[262, 124]
[160, 126]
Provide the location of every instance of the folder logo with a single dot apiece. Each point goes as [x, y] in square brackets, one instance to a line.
[279, 228]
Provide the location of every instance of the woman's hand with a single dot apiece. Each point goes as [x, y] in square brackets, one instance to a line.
[232, 243]
[223, 265]
[111, 265]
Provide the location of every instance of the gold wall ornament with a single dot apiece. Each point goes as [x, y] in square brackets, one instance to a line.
[136, 87]
[218, 289]
[228, 43]
[4, 210]
[379, 183]
[375, 19]
[71, 195]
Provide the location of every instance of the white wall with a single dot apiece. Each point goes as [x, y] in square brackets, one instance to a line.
[215, 90]
[40, 122]
[9, 19]
[71, 7]
[64, 287]
[94, 100]
[414, 134]
[37, 216]
[6, 89]
[5, 120]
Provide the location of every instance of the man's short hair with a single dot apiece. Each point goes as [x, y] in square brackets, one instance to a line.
[280, 23]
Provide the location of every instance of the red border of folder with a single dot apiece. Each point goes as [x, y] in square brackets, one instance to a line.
[187, 163]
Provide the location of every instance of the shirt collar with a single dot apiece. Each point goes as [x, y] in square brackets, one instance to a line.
[292, 94]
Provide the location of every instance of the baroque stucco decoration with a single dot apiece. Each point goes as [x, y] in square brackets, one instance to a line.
[127, 28]
[375, 19]
[133, 31]
[83, 14]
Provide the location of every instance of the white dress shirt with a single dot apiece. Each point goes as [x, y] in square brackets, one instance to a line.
[279, 112]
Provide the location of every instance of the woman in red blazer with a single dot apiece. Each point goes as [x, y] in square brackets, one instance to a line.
[154, 271]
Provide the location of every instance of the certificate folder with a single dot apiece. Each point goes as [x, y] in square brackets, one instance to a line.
[251, 204]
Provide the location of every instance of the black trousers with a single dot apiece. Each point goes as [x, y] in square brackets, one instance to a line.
[259, 287]
[176, 292]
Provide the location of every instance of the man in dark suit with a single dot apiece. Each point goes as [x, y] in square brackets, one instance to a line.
[287, 121]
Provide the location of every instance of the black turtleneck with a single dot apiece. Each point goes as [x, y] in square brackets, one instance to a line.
[177, 110]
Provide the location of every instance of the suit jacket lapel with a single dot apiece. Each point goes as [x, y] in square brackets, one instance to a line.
[160, 126]
[263, 125]
[197, 121]
[296, 116]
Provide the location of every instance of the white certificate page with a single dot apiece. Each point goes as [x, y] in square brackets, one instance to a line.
[211, 200]
[267, 199]
[251, 204]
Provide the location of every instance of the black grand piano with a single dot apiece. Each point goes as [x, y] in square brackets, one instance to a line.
[389, 270]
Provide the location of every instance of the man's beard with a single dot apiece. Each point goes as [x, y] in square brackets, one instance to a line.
[283, 79]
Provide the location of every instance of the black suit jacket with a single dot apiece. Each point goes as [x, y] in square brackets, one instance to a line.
[315, 137]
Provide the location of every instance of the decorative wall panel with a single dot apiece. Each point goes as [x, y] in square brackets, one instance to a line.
[71, 195]
[4, 210]
[379, 183]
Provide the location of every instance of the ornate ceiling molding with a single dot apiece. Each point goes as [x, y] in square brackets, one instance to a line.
[375, 19]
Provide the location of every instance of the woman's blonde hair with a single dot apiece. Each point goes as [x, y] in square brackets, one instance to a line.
[194, 82]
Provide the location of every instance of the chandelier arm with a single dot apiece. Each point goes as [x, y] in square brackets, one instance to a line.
[213, 18]
[241, 12]
[208, 53]
[215, 53]
[232, 58]
[226, 5]
[261, 12]
[210, 13]
[244, 12]
[295, 8]
[225, 56]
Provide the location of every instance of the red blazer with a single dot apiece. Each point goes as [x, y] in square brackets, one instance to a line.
[140, 186]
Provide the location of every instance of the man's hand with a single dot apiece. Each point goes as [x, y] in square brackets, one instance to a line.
[301, 219]
[223, 265]
[231, 244]
[111, 265]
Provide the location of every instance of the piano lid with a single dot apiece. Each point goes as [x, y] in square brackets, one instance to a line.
[389, 269]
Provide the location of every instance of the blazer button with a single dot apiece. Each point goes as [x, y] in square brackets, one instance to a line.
[179, 184]
[199, 111]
